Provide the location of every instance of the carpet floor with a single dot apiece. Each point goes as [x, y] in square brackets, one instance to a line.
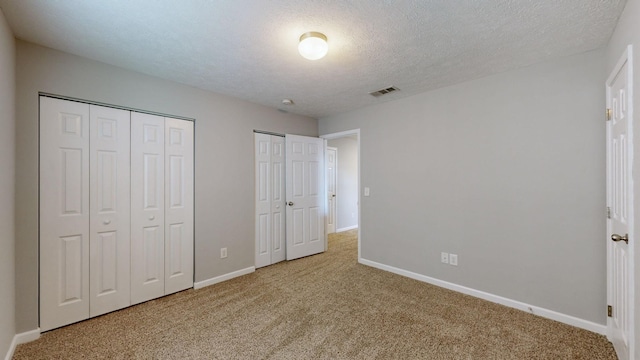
[325, 306]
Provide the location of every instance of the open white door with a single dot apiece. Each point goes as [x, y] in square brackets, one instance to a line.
[305, 190]
[620, 206]
[332, 171]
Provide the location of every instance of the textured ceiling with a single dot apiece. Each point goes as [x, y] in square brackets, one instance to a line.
[248, 48]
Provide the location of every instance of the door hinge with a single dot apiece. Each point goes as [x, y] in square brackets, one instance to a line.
[608, 212]
[609, 310]
[608, 114]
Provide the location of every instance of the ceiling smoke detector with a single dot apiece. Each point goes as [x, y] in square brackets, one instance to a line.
[383, 91]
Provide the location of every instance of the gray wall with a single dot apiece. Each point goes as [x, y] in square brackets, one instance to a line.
[347, 195]
[628, 32]
[7, 173]
[506, 171]
[224, 192]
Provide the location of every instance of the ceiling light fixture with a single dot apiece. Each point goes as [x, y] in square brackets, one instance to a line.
[313, 45]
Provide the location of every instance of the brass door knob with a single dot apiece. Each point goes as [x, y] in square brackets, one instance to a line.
[616, 238]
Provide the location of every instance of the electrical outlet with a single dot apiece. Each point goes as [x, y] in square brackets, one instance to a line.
[223, 253]
[367, 191]
[444, 257]
[453, 259]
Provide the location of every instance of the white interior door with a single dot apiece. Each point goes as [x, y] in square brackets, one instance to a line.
[620, 201]
[178, 205]
[270, 196]
[64, 212]
[332, 173]
[305, 189]
[110, 209]
[147, 207]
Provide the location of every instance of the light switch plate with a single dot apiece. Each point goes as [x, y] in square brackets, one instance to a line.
[366, 191]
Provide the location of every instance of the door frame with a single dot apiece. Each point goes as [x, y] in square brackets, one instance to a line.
[626, 58]
[338, 135]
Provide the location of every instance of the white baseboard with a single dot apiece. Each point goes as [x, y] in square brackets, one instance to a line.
[546, 313]
[225, 277]
[347, 228]
[22, 338]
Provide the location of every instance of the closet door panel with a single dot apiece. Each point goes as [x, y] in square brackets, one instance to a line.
[178, 205]
[110, 209]
[278, 205]
[64, 212]
[270, 199]
[147, 207]
[263, 199]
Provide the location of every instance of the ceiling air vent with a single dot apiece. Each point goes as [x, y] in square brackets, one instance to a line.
[383, 91]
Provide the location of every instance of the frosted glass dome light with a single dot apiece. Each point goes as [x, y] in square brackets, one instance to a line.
[313, 45]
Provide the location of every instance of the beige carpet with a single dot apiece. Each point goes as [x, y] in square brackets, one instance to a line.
[321, 307]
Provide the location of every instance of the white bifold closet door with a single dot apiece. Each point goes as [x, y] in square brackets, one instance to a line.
[109, 186]
[84, 211]
[116, 209]
[270, 199]
[64, 213]
[147, 207]
[162, 206]
[178, 266]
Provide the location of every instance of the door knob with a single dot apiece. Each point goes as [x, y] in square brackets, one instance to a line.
[616, 238]
[334, 195]
[107, 222]
[290, 203]
[151, 217]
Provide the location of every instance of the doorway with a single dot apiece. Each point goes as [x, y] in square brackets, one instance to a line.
[347, 189]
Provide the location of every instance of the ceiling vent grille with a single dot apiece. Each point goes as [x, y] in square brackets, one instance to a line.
[383, 91]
